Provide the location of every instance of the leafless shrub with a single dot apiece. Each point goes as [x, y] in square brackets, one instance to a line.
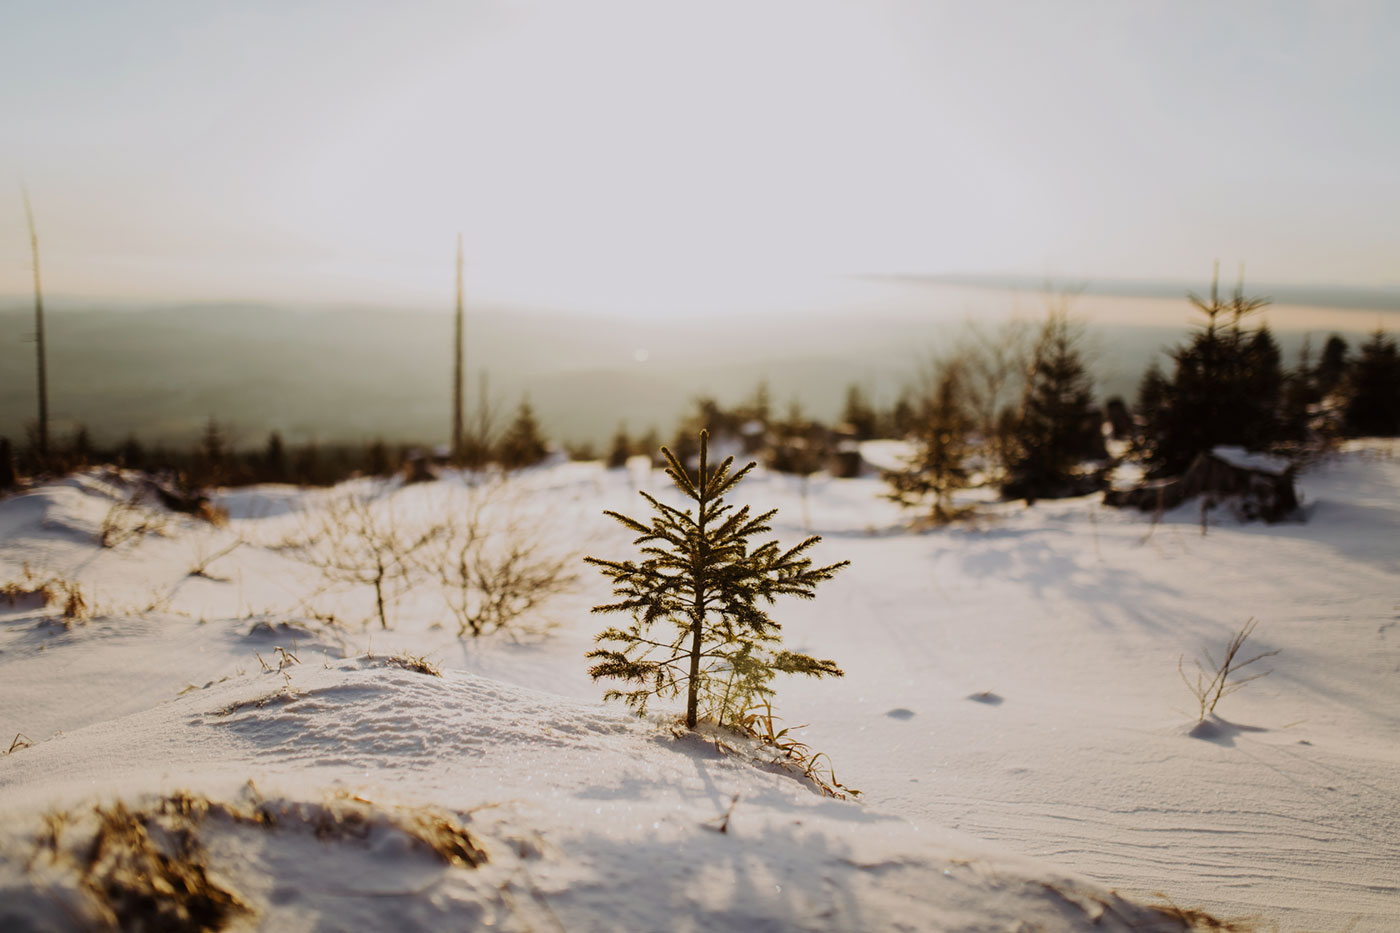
[356, 538]
[1212, 681]
[128, 519]
[203, 560]
[496, 563]
[995, 361]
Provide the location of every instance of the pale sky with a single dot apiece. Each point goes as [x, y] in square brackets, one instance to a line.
[600, 154]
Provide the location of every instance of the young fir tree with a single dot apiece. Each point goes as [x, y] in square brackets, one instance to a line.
[939, 464]
[705, 583]
[621, 449]
[1373, 402]
[858, 414]
[523, 444]
[273, 468]
[1058, 425]
[1225, 389]
[1332, 364]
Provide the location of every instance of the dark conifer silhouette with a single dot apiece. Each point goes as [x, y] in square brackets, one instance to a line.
[705, 584]
[210, 456]
[1225, 389]
[377, 462]
[1332, 365]
[523, 444]
[274, 460]
[8, 478]
[939, 464]
[858, 415]
[1373, 399]
[621, 449]
[1059, 426]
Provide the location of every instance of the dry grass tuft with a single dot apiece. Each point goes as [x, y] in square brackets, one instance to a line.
[21, 741]
[129, 520]
[1199, 921]
[1213, 681]
[36, 591]
[350, 816]
[145, 868]
[75, 604]
[760, 723]
[141, 869]
[419, 664]
[29, 588]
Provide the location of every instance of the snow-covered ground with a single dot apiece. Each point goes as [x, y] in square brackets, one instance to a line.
[1011, 710]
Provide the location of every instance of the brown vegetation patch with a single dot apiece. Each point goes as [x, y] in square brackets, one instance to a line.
[145, 867]
[34, 591]
[417, 663]
[141, 869]
[1199, 921]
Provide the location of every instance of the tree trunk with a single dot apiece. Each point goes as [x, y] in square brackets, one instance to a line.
[43, 432]
[698, 575]
[457, 368]
[379, 599]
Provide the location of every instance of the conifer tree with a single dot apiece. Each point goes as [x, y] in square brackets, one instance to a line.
[1373, 403]
[858, 413]
[705, 584]
[210, 455]
[274, 460]
[1058, 425]
[80, 450]
[1332, 365]
[377, 458]
[621, 449]
[938, 466]
[523, 444]
[132, 455]
[1226, 388]
[8, 478]
[757, 407]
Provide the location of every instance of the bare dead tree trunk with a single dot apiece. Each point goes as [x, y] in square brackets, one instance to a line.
[459, 334]
[43, 435]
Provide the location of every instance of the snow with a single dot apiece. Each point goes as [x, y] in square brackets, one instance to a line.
[889, 455]
[1243, 459]
[1011, 711]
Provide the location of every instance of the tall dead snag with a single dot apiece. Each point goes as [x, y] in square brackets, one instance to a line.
[458, 338]
[43, 430]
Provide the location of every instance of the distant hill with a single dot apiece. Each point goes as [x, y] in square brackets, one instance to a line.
[357, 373]
[1379, 298]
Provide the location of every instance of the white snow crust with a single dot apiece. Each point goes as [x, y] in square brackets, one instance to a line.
[1243, 459]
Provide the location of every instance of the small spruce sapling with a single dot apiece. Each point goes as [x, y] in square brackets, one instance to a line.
[701, 573]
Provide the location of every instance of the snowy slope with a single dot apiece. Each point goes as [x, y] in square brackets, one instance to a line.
[589, 820]
[1014, 682]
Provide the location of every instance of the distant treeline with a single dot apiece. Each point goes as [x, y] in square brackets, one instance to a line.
[1011, 405]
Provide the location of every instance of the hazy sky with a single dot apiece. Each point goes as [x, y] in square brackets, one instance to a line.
[610, 153]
